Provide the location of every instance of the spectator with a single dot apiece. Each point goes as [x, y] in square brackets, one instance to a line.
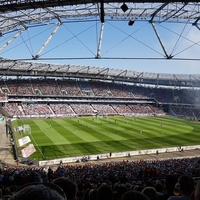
[104, 192]
[68, 186]
[121, 189]
[1, 195]
[93, 194]
[159, 190]
[39, 192]
[134, 195]
[186, 187]
[196, 194]
[150, 192]
[169, 187]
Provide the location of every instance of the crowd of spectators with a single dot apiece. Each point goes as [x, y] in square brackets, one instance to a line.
[156, 110]
[156, 179]
[187, 111]
[95, 88]
[142, 109]
[12, 109]
[104, 109]
[122, 109]
[62, 109]
[46, 88]
[100, 89]
[104, 92]
[35, 109]
[120, 90]
[69, 87]
[82, 109]
[79, 109]
[17, 87]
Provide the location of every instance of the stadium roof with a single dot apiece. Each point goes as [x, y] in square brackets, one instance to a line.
[23, 14]
[20, 15]
[29, 69]
[17, 16]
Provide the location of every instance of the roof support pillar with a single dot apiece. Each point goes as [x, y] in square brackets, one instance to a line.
[161, 43]
[14, 37]
[46, 42]
[100, 41]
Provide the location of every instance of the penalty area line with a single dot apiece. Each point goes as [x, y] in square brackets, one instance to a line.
[38, 147]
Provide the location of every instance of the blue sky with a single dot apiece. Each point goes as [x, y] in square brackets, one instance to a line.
[80, 41]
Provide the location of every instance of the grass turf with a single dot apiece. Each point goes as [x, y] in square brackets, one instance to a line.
[58, 138]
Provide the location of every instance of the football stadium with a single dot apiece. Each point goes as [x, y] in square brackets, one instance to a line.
[95, 125]
[64, 119]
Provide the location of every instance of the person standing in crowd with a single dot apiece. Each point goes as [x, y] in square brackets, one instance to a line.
[68, 186]
[186, 188]
[104, 192]
[39, 192]
[136, 195]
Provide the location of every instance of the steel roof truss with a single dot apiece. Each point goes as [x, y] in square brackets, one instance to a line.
[8, 69]
[106, 69]
[13, 38]
[191, 76]
[174, 14]
[157, 11]
[64, 74]
[123, 72]
[140, 75]
[54, 14]
[58, 68]
[48, 68]
[31, 64]
[175, 78]
[82, 69]
[195, 23]
[47, 41]
[100, 41]
[157, 79]
[161, 43]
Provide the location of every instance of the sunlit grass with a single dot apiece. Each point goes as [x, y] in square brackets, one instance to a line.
[58, 138]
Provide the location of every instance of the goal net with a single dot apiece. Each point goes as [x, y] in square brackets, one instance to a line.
[26, 129]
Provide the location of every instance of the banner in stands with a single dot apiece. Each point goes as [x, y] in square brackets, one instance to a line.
[116, 155]
[24, 140]
[27, 151]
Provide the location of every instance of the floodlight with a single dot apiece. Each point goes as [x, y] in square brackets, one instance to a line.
[131, 22]
[124, 7]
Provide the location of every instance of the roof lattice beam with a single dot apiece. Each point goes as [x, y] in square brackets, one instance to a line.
[82, 69]
[177, 11]
[106, 69]
[9, 68]
[161, 43]
[123, 72]
[54, 14]
[157, 11]
[47, 41]
[12, 39]
[100, 41]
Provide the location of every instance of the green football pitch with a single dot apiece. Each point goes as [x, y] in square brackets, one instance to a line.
[71, 137]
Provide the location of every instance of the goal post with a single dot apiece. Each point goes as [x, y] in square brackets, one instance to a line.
[26, 129]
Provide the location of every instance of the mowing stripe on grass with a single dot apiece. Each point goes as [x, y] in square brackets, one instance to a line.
[51, 133]
[111, 134]
[103, 131]
[37, 146]
[67, 131]
[80, 131]
[126, 129]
